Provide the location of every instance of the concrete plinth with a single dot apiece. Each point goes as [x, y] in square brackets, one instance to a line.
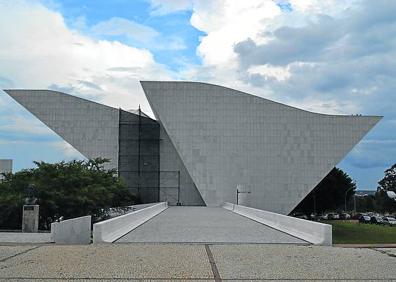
[30, 218]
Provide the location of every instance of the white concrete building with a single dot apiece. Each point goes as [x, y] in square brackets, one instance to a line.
[5, 167]
[206, 141]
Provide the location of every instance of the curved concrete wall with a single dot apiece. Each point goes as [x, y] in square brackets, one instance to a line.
[310, 231]
[110, 230]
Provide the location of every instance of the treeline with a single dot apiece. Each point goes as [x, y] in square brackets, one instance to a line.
[65, 189]
[330, 195]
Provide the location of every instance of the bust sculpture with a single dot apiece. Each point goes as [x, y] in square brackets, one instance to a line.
[31, 192]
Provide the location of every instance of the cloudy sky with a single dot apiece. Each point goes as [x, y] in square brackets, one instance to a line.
[328, 56]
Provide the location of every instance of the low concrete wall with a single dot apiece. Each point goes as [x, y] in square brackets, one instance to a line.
[310, 231]
[110, 230]
[25, 238]
[72, 231]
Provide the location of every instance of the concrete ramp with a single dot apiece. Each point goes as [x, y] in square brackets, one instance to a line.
[205, 225]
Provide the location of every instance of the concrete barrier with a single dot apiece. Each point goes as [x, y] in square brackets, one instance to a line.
[310, 231]
[112, 229]
[72, 231]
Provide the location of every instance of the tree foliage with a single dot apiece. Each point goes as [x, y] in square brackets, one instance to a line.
[68, 189]
[329, 194]
[389, 181]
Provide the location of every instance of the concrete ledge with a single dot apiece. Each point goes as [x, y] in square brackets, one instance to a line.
[110, 230]
[22, 238]
[114, 212]
[310, 231]
[142, 206]
[72, 231]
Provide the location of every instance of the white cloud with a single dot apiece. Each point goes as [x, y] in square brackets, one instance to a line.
[322, 55]
[17, 124]
[133, 33]
[120, 26]
[163, 7]
[228, 22]
[318, 105]
[37, 50]
[328, 7]
[268, 71]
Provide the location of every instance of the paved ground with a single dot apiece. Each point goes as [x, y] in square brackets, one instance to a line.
[250, 262]
[205, 225]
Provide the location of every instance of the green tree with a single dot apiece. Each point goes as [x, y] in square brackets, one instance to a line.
[383, 203]
[329, 194]
[388, 183]
[68, 189]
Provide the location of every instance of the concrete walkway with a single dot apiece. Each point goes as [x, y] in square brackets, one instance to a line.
[205, 225]
[189, 262]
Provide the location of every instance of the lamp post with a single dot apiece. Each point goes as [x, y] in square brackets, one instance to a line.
[178, 188]
[354, 204]
[346, 197]
[314, 203]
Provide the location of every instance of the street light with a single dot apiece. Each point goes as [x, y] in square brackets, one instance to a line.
[346, 197]
[314, 203]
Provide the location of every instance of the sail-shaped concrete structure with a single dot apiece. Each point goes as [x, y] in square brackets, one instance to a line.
[207, 141]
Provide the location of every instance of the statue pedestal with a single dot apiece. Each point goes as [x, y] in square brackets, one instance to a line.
[30, 218]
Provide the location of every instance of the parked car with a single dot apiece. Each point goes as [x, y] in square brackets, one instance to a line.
[376, 220]
[345, 215]
[364, 219]
[388, 220]
[300, 215]
[324, 216]
[333, 216]
[357, 216]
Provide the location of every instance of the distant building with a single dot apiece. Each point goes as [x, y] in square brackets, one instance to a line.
[5, 166]
[206, 141]
[365, 193]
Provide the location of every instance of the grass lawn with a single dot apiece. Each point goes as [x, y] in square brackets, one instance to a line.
[352, 232]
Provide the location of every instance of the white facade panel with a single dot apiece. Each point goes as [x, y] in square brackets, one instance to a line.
[91, 128]
[229, 139]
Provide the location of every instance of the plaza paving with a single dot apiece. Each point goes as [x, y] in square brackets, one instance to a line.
[205, 225]
[192, 262]
[202, 244]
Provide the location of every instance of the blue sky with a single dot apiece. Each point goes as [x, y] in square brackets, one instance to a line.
[336, 57]
[174, 27]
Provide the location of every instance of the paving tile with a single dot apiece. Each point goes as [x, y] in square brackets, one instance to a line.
[110, 261]
[301, 262]
[7, 251]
